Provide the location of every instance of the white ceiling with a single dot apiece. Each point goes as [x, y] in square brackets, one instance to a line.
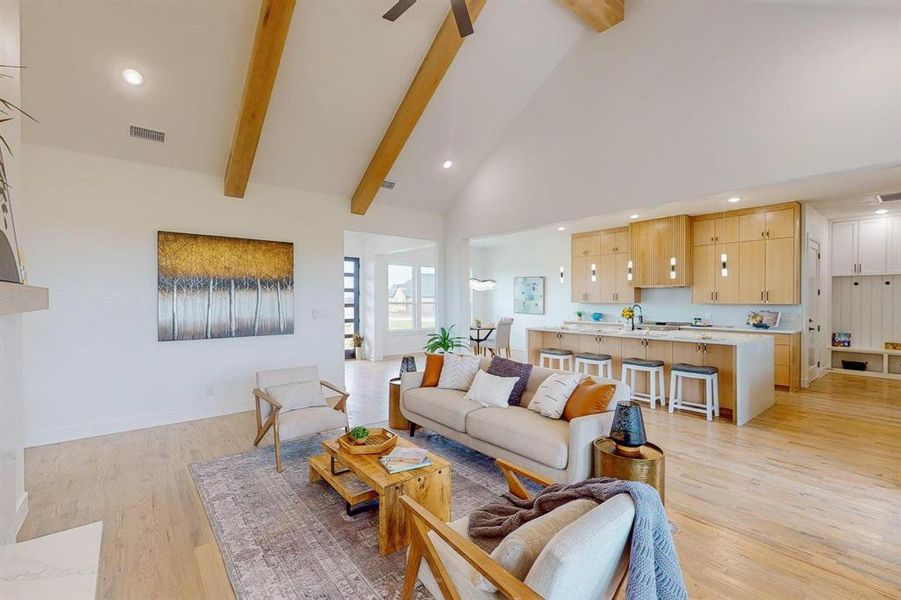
[342, 75]
[836, 195]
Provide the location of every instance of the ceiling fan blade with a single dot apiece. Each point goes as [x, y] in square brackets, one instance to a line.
[398, 9]
[461, 14]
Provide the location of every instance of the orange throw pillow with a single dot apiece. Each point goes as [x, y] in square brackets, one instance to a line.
[588, 398]
[433, 366]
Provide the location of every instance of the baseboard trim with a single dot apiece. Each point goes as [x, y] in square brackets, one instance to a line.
[44, 437]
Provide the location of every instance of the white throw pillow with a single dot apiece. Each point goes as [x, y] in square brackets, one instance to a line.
[551, 396]
[458, 372]
[491, 390]
[519, 550]
[301, 394]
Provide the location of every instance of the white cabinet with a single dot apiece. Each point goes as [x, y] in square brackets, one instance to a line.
[866, 246]
[893, 248]
[844, 248]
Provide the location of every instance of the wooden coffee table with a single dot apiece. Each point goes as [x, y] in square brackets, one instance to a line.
[361, 478]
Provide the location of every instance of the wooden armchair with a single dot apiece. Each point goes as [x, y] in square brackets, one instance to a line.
[571, 570]
[306, 415]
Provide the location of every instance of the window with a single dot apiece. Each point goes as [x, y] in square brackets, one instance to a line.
[351, 303]
[411, 297]
[426, 297]
[400, 298]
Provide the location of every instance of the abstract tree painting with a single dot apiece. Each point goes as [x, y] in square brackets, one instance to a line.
[218, 287]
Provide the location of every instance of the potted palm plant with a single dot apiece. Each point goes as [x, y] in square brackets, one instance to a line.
[444, 341]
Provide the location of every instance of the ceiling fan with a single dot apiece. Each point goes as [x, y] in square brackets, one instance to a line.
[461, 14]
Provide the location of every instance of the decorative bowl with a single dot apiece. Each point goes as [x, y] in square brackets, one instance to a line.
[596, 316]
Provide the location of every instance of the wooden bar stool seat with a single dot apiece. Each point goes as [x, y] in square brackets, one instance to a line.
[604, 363]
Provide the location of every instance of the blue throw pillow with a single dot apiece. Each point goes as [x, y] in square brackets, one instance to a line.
[504, 367]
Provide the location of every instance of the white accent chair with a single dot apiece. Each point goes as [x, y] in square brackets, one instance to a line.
[501, 340]
[304, 416]
[587, 558]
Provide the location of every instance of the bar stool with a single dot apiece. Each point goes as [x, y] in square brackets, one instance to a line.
[654, 369]
[604, 363]
[558, 354]
[682, 371]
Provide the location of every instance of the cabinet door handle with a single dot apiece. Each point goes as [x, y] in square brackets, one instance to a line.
[716, 295]
[761, 295]
[705, 348]
[763, 234]
[768, 295]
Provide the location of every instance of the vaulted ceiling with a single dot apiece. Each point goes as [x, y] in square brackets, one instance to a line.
[343, 73]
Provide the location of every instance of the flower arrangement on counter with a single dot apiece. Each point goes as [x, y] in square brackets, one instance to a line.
[628, 313]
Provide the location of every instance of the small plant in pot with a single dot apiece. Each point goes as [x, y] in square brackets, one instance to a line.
[358, 435]
[580, 314]
[444, 341]
[358, 346]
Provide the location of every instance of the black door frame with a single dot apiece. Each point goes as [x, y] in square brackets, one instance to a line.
[356, 303]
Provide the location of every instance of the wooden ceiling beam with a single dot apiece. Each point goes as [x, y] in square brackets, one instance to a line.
[435, 64]
[272, 30]
[600, 15]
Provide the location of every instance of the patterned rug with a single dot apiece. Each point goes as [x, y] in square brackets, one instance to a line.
[284, 537]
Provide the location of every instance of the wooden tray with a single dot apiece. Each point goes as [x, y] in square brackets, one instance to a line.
[379, 440]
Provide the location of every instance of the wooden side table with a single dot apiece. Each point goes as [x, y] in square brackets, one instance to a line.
[649, 468]
[396, 420]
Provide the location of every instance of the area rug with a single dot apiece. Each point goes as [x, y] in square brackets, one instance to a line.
[284, 537]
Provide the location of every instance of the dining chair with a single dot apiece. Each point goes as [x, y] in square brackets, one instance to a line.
[501, 340]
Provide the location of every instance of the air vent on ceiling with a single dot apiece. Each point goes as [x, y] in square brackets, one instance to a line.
[893, 197]
[151, 135]
[389, 185]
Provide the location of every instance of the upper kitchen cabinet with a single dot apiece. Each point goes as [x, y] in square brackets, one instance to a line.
[586, 244]
[661, 252]
[866, 246]
[754, 257]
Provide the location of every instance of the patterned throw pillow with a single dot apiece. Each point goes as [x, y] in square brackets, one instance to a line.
[551, 396]
[458, 372]
[504, 367]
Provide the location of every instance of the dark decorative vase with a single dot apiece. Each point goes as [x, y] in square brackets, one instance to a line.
[407, 365]
[627, 430]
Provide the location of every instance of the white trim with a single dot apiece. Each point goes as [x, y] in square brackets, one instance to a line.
[8, 534]
[43, 437]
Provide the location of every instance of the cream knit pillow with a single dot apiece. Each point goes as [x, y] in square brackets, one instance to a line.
[551, 396]
[458, 372]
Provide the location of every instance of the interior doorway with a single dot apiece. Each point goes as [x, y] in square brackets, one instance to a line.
[813, 335]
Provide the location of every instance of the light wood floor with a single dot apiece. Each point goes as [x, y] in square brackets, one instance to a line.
[804, 502]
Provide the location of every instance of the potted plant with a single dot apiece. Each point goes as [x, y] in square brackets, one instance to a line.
[359, 435]
[358, 346]
[445, 342]
[580, 314]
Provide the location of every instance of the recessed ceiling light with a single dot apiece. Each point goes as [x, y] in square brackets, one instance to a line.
[881, 211]
[447, 164]
[561, 228]
[734, 199]
[633, 216]
[133, 77]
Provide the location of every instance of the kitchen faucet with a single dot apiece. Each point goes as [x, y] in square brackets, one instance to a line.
[640, 315]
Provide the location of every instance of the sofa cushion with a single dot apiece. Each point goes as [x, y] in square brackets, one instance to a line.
[552, 395]
[448, 407]
[589, 398]
[298, 394]
[491, 390]
[433, 364]
[458, 372]
[519, 550]
[522, 432]
[307, 421]
[504, 367]
[461, 573]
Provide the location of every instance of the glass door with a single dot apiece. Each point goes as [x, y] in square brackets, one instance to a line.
[351, 303]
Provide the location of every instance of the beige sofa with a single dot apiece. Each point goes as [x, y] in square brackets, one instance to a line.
[555, 448]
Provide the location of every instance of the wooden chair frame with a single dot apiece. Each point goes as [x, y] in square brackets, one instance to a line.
[422, 522]
[271, 421]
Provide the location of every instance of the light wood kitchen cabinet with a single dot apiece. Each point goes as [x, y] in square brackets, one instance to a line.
[780, 276]
[624, 292]
[864, 246]
[654, 244]
[607, 278]
[563, 341]
[615, 241]
[762, 256]
[601, 344]
[586, 286]
[586, 245]
[703, 233]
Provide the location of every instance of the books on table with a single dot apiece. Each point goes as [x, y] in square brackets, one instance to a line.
[405, 459]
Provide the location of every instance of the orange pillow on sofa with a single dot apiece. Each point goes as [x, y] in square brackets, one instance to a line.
[433, 366]
[588, 398]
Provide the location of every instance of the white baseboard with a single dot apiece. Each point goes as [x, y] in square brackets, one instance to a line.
[43, 437]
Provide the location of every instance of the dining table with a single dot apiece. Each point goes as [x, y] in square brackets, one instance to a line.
[476, 336]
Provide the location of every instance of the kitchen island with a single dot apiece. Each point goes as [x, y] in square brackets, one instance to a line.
[744, 361]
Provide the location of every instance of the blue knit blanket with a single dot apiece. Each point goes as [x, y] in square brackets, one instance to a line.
[654, 572]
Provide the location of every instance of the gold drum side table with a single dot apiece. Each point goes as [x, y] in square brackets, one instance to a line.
[648, 468]
[396, 419]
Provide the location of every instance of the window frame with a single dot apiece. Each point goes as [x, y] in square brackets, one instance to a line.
[416, 301]
[349, 353]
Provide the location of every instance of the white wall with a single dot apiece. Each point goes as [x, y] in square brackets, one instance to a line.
[688, 99]
[542, 253]
[93, 364]
[13, 499]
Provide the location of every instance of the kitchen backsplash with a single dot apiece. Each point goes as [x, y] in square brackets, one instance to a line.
[674, 304]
